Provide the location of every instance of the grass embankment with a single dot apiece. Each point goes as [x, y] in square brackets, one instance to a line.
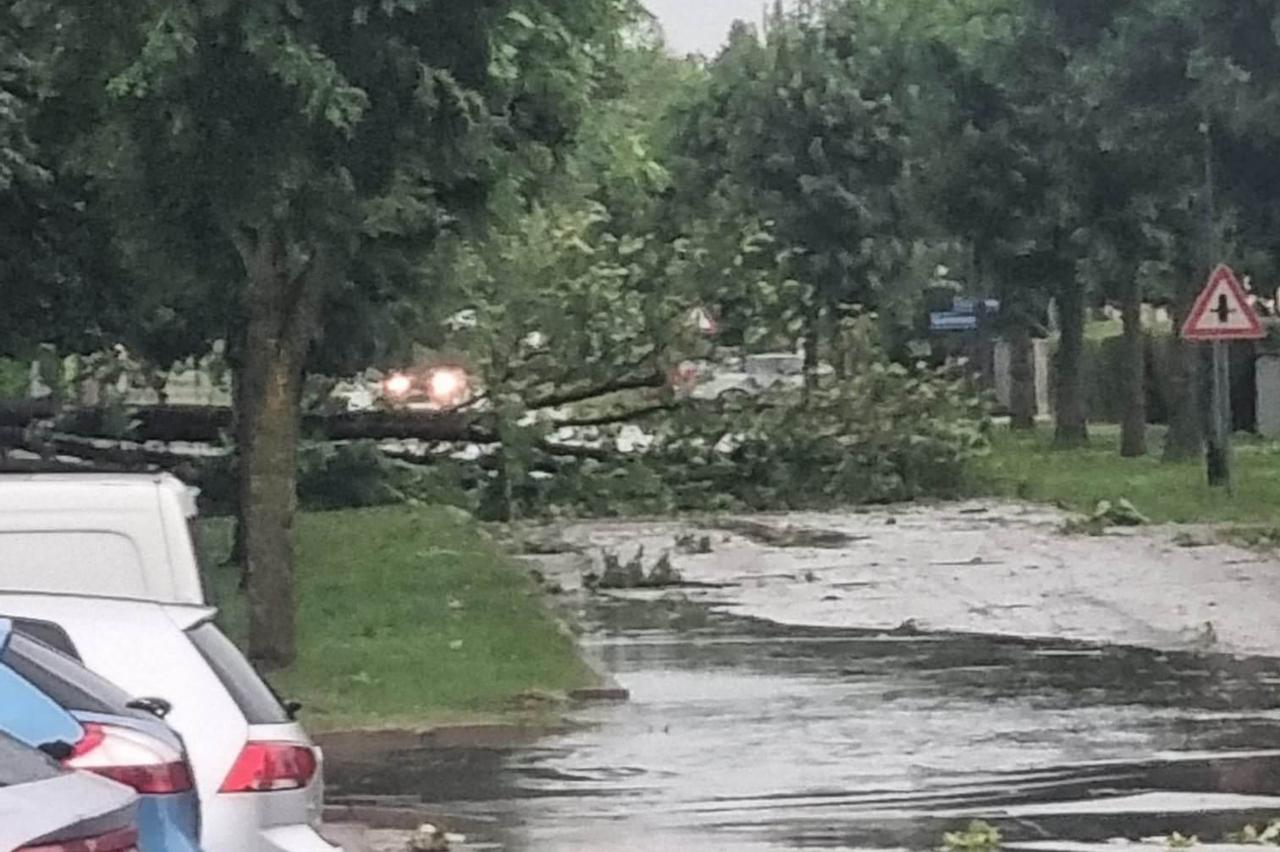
[408, 617]
[1026, 466]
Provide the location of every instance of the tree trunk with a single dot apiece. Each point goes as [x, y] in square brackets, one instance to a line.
[243, 436]
[812, 342]
[282, 314]
[1133, 425]
[1185, 439]
[271, 466]
[1071, 428]
[1022, 379]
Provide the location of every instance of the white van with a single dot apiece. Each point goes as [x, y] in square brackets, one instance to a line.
[103, 567]
[110, 535]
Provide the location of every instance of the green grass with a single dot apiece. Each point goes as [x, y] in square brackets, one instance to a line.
[1100, 330]
[408, 617]
[1027, 466]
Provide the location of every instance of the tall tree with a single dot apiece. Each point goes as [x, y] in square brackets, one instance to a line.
[1001, 181]
[804, 127]
[1130, 63]
[56, 271]
[304, 154]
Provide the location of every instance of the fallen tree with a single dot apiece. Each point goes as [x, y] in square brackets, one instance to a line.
[213, 424]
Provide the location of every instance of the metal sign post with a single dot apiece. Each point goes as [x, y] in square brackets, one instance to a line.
[1218, 452]
[1221, 314]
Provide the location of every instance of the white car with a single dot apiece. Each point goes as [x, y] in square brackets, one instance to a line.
[81, 568]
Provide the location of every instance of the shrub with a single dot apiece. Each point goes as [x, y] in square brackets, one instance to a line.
[883, 434]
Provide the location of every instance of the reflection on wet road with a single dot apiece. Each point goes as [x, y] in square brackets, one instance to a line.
[745, 735]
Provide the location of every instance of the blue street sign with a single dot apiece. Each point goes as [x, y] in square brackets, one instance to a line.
[953, 321]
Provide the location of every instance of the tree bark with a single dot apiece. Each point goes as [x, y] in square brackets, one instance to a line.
[1022, 378]
[1185, 439]
[1071, 428]
[812, 343]
[283, 309]
[1133, 424]
[243, 437]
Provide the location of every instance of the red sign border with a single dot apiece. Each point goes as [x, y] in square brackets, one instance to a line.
[1202, 307]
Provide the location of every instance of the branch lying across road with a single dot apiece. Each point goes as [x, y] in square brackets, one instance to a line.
[578, 451]
[552, 457]
[19, 414]
[569, 397]
[403, 425]
[119, 455]
[204, 424]
[613, 419]
[212, 424]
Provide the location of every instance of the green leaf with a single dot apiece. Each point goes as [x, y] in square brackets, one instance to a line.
[522, 19]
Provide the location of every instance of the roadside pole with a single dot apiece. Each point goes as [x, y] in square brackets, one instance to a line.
[1219, 444]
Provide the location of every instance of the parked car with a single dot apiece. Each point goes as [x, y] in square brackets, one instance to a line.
[257, 772]
[108, 561]
[45, 808]
[135, 531]
[52, 702]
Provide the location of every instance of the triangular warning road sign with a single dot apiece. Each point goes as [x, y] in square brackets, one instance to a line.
[703, 321]
[1223, 311]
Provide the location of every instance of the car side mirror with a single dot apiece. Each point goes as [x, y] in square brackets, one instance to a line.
[293, 708]
[157, 707]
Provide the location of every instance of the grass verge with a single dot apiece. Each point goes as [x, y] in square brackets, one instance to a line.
[1026, 466]
[408, 617]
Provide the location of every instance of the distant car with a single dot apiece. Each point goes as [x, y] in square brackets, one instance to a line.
[107, 561]
[438, 388]
[256, 770]
[50, 701]
[45, 808]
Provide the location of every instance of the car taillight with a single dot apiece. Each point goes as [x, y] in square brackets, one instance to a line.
[270, 767]
[125, 840]
[131, 758]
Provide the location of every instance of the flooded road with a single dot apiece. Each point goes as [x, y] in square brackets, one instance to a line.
[743, 734]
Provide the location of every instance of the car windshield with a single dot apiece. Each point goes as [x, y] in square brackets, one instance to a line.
[47, 633]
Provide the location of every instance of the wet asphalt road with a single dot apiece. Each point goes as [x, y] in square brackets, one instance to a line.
[745, 735]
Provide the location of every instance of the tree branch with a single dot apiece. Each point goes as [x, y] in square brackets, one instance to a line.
[119, 455]
[401, 425]
[22, 413]
[209, 424]
[553, 448]
[649, 382]
[612, 419]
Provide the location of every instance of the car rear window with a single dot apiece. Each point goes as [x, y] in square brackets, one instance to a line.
[81, 562]
[22, 765]
[49, 633]
[63, 679]
[250, 692]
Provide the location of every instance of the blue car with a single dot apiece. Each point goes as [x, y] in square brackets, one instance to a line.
[51, 702]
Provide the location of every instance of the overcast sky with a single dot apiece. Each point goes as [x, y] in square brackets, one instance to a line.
[702, 26]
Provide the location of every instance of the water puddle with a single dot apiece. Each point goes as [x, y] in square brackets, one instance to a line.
[742, 734]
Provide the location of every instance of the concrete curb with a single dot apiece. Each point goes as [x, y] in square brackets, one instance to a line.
[356, 745]
[349, 836]
[358, 819]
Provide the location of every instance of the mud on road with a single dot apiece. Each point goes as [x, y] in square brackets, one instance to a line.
[1065, 689]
